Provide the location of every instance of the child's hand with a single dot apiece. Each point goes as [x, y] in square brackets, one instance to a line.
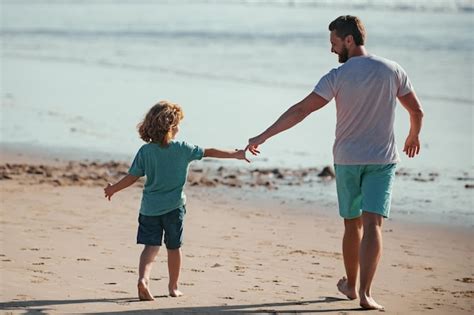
[109, 191]
[240, 155]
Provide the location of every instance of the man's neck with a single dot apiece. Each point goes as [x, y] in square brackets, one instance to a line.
[358, 51]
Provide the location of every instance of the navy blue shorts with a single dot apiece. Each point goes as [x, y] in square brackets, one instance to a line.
[151, 228]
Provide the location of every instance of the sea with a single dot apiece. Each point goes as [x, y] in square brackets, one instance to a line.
[77, 76]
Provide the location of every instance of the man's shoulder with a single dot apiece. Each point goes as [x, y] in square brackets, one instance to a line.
[383, 61]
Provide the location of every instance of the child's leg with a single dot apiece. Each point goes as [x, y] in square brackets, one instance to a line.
[146, 262]
[174, 267]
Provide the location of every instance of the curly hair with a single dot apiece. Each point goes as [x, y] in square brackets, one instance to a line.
[158, 123]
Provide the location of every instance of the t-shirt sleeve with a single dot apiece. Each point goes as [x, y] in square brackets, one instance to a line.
[404, 84]
[193, 152]
[138, 166]
[326, 87]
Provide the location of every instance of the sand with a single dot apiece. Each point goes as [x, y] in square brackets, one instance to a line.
[65, 249]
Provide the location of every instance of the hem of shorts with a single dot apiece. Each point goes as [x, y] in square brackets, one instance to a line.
[375, 212]
[173, 248]
[366, 162]
[350, 218]
[142, 243]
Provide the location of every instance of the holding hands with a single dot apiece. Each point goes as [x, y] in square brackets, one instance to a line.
[253, 144]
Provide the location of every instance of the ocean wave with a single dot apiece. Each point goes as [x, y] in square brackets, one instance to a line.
[172, 34]
[221, 77]
[399, 5]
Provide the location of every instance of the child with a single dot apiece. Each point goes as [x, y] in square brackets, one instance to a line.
[165, 163]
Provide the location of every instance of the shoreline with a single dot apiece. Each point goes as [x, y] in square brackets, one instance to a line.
[309, 188]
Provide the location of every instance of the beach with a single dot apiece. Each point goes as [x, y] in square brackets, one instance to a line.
[78, 76]
[66, 249]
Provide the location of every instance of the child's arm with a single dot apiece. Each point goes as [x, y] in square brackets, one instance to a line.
[221, 154]
[122, 184]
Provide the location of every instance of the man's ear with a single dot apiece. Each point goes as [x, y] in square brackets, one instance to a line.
[349, 40]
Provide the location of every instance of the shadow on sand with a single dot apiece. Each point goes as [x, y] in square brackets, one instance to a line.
[41, 306]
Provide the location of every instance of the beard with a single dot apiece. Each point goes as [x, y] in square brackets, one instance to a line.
[343, 55]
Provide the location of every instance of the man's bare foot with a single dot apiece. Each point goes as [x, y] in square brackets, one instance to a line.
[143, 292]
[344, 289]
[368, 303]
[175, 292]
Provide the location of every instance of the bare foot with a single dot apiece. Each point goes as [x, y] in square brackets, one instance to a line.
[344, 289]
[368, 303]
[143, 292]
[175, 292]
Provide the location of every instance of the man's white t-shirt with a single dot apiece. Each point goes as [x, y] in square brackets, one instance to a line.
[366, 90]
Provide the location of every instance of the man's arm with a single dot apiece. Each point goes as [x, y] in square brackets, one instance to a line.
[294, 115]
[413, 106]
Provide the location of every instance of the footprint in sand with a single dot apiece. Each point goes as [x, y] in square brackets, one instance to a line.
[38, 263]
[256, 288]
[83, 259]
[465, 280]
[405, 266]
[120, 292]
[463, 294]
[197, 270]
[110, 283]
[438, 290]
[227, 298]
[298, 251]
[38, 279]
[239, 269]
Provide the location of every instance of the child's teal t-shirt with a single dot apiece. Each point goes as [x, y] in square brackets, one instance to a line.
[166, 170]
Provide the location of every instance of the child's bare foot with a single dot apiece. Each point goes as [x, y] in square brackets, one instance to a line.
[143, 292]
[344, 289]
[175, 292]
[368, 303]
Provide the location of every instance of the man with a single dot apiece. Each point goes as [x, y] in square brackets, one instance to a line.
[366, 88]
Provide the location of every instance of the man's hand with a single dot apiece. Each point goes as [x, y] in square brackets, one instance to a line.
[253, 145]
[412, 146]
[109, 191]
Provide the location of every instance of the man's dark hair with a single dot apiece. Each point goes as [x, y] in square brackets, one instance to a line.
[346, 25]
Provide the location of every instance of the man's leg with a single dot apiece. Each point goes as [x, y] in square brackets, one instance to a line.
[370, 253]
[144, 269]
[350, 251]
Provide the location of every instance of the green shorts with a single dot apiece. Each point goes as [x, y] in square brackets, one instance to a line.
[364, 188]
